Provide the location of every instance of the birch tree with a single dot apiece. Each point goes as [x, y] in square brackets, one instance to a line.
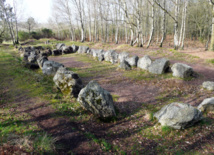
[79, 5]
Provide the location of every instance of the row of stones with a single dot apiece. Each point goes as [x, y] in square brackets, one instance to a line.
[99, 101]
[91, 97]
[175, 115]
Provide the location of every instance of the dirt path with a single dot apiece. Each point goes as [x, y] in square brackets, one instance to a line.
[133, 95]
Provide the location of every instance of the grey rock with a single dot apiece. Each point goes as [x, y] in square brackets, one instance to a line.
[107, 55]
[51, 67]
[67, 50]
[123, 56]
[178, 115]
[97, 100]
[75, 48]
[182, 70]
[159, 66]
[114, 57]
[133, 61]
[125, 65]
[208, 85]
[32, 57]
[101, 57]
[207, 105]
[68, 82]
[82, 49]
[41, 59]
[144, 62]
[56, 52]
[59, 46]
[96, 52]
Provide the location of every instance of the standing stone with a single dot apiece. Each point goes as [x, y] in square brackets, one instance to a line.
[178, 115]
[41, 59]
[56, 52]
[68, 82]
[82, 49]
[125, 65]
[32, 57]
[123, 56]
[159, 66]
[67, 50]
[144, 62]
[51, 67]
[133, 61]
[97, 100]
[75, 48]
[59, 46]
[113, 57]
[207, 105]
[208, 85]
[182, 70]
[107, 55]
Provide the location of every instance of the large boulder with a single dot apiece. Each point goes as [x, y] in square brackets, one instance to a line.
[182, 70]
[59, 46]
[123, 56]
[178, 115]
[97, 100]
[32, 57]
[208, 85]
[144, 62]
[67, 49]
[107, 55]
[125, 65]
[133, 61]
[114, 57]
[41, 59]
[96, 52]
[82, 49]
[51, 67]
[207, 105]
[56, 52]
[68, 82]
[75, 48]
[159, 66]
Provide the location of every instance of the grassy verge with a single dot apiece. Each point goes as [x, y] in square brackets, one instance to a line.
[18, 128]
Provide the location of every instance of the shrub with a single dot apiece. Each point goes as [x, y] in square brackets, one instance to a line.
[47, 33]
[23, 35]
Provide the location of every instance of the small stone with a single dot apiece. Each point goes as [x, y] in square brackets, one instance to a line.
[207, 105]
[208, 85]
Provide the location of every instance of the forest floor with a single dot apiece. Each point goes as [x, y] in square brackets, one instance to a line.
[34, 116]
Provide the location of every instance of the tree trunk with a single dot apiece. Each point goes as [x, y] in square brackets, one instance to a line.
[184, 25]
[176, 42]
[212, 34]
[152, 26]
[163, 25]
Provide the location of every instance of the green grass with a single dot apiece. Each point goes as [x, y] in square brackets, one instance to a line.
[17, 83]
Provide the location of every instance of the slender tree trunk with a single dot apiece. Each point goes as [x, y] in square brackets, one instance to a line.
[152, 26]
[132, 37]
[176, 42]
[163, 25]
[184, 25]
[126, 33]
[212, 34]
